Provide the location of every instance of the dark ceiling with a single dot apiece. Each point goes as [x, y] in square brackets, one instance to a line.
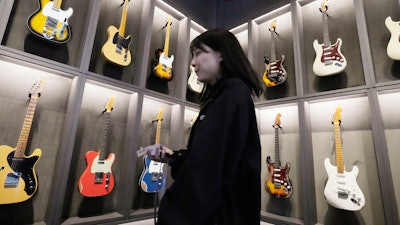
[224, 13]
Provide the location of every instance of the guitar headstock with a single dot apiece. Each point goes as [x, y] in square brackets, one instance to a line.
[277, 123]
[110, 105]
[273, 26]
[36, 88]
[159, 115]
[169, 21]
[337, 117]
[324, 6]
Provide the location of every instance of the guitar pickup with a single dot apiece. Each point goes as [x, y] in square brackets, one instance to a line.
[12, 180]
[343, 195]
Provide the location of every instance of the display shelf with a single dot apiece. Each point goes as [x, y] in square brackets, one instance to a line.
[283, 43]
[391, 122]
[341, 24]
[91, 136]
[45, 132]
[356, 138]
[17, 34]
[111, 15]
[288, 151]
[386, 69]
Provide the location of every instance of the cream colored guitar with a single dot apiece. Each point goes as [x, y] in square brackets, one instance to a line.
[116, 49]
[393, 48]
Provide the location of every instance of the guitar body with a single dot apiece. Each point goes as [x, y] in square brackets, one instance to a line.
[21, 183]
[328, 60]
[163, 67]
[152, 178]
[393, 48]
[116, 48]
[278, 183]
[193, 82]
[97, 179]
[50, 23]
[274, 73]
[341, 190]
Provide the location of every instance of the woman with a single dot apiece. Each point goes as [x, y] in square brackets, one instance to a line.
[217, 179]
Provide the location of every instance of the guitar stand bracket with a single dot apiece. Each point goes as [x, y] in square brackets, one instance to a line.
[123, 3]
[105, 110]
[153, 121]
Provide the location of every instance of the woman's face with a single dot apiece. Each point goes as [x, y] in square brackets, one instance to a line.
[206, 63]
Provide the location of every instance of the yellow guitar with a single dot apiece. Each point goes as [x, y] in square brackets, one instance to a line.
[50, 22]
[163, 67]
[116, 49]
[18, 181]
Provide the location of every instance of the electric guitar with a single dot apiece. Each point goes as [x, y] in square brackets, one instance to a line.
[329, 59]
[152, 178]
[274, 73]
[341, 190]
[50, 22]
[193, 83]
[116, 48]
[278, 183]
[393, 48]
[98, 179]
[163, 67]
[18, 180]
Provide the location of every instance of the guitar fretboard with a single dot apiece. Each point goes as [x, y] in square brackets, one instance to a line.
[26, 128]
[57, 4]
[158, 132]
[104, 140]
[167, 33]
[277, 159]
[338, 147]
[123, 19]
[273, 53]
[325, 30]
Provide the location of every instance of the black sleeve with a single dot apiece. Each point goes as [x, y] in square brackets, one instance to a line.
[176, 160]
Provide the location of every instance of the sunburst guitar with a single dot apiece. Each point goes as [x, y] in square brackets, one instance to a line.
[98, 179]
[393, 47]
[329, 59]
[18, 179]
[341, 190]
[275, 73]
[278, 182]
[116, 49]
[50, 22]
[163, 65]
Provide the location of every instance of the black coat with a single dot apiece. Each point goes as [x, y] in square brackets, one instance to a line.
[218, 180]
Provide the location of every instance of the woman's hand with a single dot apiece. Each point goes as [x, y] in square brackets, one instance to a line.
[157, 152]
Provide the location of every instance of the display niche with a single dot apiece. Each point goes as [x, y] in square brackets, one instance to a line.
[341, 23]
[17, 80]
[386, 68]
[165, 79]
[66, 49]
[342, 135]
[274, 35]
[280, 142]
[155, 127]
[98, 148]
[391, 121]
[107, 57]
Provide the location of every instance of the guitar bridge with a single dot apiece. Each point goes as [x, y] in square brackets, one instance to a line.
[12, 180]
[98, 179]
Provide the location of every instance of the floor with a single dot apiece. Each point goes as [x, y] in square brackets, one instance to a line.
[151, 222]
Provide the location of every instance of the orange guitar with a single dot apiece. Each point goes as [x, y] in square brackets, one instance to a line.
[163, 67]
[278, 183]
[97, 179]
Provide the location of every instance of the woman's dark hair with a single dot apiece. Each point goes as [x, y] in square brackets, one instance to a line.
[234, 61]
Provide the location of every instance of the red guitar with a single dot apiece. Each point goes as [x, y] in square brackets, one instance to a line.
[278, 183]
[97, 179]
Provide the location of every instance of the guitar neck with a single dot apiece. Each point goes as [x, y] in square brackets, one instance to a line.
[167, 33]
[158, 132]
[104, 140]
[26, 128]
[325, 29]
[277, 159]
[338, 147]
[123, 19]
[273, 53]
[57, 4]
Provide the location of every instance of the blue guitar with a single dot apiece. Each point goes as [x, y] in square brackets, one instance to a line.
[152, 178]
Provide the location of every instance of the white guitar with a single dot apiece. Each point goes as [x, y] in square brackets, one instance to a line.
[193, 83]
[342, 191]
[393, 48]
[329, 59]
